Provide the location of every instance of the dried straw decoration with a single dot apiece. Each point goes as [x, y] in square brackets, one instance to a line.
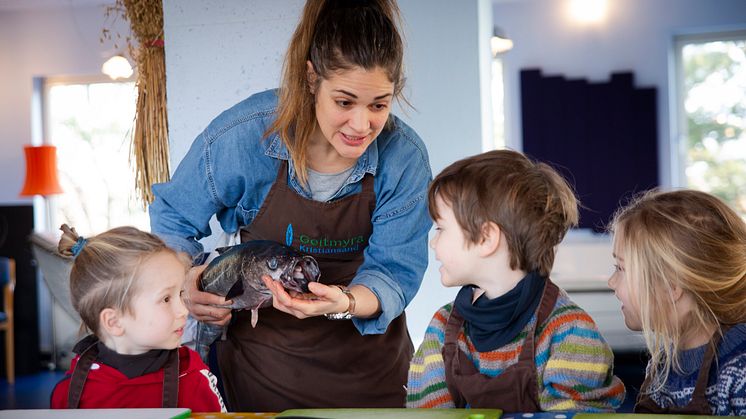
[150, 131]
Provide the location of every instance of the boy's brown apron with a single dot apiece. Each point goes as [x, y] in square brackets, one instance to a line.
[88, 357]
[516, 388]
[698, 405]
[287, 362]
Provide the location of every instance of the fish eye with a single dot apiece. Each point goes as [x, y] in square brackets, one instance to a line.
[272, 263]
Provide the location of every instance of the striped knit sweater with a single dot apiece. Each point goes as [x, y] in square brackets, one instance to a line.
[574, 362]
[726, 389]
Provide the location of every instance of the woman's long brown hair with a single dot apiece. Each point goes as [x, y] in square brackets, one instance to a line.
[334, 35]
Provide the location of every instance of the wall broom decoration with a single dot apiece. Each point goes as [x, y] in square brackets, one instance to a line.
[150, 131]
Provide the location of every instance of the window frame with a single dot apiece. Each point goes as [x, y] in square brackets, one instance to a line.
[678, 125]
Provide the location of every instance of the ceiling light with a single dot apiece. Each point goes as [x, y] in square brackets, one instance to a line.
[588, 11]
[117, 67]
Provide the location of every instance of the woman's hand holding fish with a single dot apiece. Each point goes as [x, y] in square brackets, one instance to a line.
[201, 305]
[328, 299]
[324, 299]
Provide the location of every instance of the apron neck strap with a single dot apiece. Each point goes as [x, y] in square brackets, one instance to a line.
[80, 373]
[548, 301]
[88, 356]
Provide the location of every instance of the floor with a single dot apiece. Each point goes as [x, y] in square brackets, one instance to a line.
[29, 391]
[33, 391]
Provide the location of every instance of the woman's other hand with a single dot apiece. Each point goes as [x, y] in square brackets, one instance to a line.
[202, 305]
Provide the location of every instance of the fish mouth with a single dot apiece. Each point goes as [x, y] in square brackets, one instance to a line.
[303, 272]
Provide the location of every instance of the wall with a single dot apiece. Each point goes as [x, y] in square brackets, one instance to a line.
[638, 36]
[219, 52]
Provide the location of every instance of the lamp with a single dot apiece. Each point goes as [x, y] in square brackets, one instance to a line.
[499, 43]
[588, 11]
[117, 67]
[41, 175]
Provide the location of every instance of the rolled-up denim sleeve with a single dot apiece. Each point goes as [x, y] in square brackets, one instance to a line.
[396, 257]
[182, 208]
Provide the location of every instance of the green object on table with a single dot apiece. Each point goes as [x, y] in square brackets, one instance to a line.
[392, 413]
[183, 415]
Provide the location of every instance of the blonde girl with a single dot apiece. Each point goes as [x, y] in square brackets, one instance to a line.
[681, 277]
[126, 285]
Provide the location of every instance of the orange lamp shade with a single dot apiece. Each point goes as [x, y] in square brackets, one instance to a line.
[41, 171]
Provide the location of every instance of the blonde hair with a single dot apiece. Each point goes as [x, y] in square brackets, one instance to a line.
[530, 202]
[105, 267]
[334, 35]
[690, 240]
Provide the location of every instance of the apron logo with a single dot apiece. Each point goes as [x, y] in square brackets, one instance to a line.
[311, 245]
[289, 235]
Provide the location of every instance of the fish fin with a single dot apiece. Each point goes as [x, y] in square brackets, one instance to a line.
[254, 316]
[223, 249]
[235, 291]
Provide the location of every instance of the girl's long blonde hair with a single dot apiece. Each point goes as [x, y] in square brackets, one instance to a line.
[334, 35]
[690, 240]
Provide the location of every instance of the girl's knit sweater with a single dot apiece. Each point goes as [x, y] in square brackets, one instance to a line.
[574, 363]
[726, 388]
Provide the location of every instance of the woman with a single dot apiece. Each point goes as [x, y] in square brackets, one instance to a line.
[323, 166]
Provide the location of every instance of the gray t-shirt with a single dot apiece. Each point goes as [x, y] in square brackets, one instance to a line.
[324, 185]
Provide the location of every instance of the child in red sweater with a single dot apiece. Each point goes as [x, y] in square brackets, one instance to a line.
[126, 285]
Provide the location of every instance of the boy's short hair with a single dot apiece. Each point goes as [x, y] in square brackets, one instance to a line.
[530, 202]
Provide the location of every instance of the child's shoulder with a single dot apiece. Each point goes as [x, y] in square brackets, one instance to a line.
[190, 361]
[442, 314]
[565, 304]
[566, 314]
[733, 345]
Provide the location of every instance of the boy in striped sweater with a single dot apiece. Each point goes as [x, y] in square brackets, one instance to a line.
[511, 339]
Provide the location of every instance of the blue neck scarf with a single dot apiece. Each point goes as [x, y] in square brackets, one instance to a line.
[492, 324]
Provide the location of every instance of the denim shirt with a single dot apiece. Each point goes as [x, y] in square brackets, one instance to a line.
[230, 169]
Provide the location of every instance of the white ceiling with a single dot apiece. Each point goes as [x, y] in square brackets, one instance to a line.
[26, 5]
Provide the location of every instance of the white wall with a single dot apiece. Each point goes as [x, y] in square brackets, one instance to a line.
[36, 43]
[218, 52]
[637, 36]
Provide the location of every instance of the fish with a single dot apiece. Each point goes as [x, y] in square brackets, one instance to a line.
[236, 274]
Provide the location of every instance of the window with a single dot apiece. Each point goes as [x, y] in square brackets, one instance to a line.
[711, 76]
[89, 120]
[498, 104]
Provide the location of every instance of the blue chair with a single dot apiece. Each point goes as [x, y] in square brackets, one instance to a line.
[8, 283]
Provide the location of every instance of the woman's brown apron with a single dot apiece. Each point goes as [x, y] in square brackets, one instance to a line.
[287, 362]
[516, 388]
[698, 405]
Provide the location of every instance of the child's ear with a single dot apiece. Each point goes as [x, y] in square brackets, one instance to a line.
[109, 321]
[491, 236]
[677, 292]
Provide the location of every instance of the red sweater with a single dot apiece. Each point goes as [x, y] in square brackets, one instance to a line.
[107, 388]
